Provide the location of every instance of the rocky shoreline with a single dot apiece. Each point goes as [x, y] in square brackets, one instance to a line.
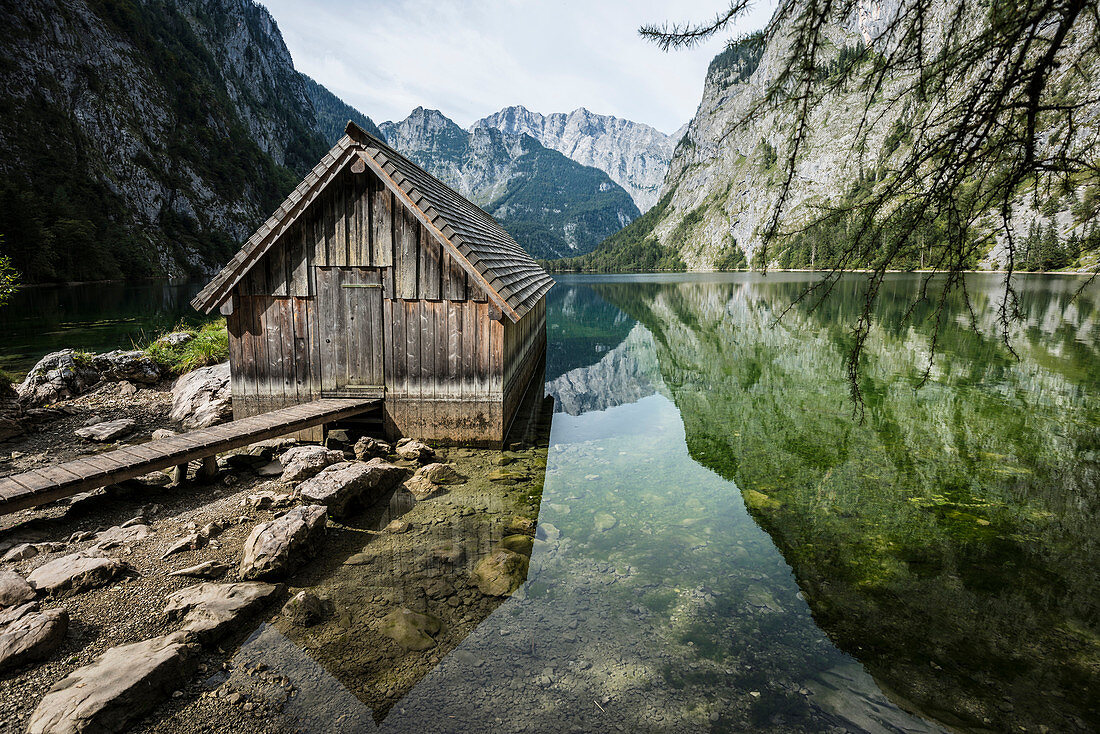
[124, 608]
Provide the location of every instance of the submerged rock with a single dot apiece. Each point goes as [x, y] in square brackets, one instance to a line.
[211, 610]
[501, 572]
[410, 629]
[349, 483]
[277, 547]
[517, 525]
[518, 544]
[27, 633]
[201, 398]
[304, 609]
[75, 573]
[439, 473]
[121, 685]
[604, 521]
[303, 462]
[107, 430]
[14, 589]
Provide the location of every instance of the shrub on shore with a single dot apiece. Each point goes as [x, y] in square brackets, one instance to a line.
[209, 344]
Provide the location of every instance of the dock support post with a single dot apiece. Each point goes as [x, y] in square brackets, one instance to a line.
[208, 472]
[179, 474]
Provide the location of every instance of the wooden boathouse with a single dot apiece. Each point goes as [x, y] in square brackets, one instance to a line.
[376, 280]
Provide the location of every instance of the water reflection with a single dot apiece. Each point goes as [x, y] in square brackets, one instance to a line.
[94, 317]
[950, 542]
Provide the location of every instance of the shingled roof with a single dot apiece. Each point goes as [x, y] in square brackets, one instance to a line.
[508, 274]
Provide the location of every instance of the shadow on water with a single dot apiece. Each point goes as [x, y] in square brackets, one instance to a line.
[344, 674]
[950, 542]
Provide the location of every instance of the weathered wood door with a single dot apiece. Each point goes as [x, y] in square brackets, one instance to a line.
[349, 322]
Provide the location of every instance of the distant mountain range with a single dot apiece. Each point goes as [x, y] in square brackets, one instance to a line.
[553, 206]
[635, 156]
[150, 139]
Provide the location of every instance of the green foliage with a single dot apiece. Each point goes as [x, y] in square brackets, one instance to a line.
[333, 113]
[9, 277]
[738, 61]
[59, 207]
[731, 258]
[7, 379]
[633, 248]
[768, 155]
[209, 345]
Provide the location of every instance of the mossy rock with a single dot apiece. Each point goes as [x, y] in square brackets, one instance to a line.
[518, 525]
[518, 544]
[501, 572]
[760, 501]
[410, 629]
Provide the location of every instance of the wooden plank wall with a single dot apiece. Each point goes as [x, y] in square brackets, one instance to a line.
[450, 369]
[357, 223]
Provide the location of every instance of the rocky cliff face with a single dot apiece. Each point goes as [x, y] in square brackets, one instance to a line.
[552, 205]
[144, 138]
[724, 177]
[635, 156]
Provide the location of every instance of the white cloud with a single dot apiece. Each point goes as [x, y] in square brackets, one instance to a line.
[469, 59]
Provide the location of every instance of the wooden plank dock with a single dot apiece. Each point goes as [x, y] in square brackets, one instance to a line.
[51, 483]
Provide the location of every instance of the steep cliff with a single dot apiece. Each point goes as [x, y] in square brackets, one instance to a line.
[334, 113]
[635, 156]
[144, 138]
[552, 205]
[727, 170]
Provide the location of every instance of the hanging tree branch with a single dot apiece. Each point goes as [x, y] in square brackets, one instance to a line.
[990, 100]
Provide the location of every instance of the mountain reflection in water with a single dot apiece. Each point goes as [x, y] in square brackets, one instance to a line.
[722, 547]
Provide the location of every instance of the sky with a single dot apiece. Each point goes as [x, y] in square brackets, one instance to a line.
[470, 58]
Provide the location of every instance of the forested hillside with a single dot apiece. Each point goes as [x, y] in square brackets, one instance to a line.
[144, 138]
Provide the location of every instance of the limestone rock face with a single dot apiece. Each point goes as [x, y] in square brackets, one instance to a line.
[57, 376]
[27, 633]
[275, 548]
[211, 610]
[107, 430]
[303, 462]
[74, 573]
[634, 155]
[201, 398]
[350, 483]
[133, 366]
[121, 685]
[14, 589]
[410, 629]
[501, 572]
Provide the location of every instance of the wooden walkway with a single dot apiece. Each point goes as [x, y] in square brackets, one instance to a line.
[40, 486]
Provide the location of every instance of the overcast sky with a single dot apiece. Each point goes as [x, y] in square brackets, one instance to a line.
[470, 58]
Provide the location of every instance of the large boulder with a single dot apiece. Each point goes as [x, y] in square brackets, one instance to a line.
[303, 462]
[28, 633]
[501, 572]
[133, 365]
[107, 430]
[429, 478]
[121, 685]
[201, 398]
[275, 548]
[14, 589]
[210, 611]
[74, 573]
[351, 483]
[58, 376]
[368, 448]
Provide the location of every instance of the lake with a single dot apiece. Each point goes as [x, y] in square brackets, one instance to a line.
[94, 317]
[724, 545]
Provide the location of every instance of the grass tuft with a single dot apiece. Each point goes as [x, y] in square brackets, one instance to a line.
[209, 345]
